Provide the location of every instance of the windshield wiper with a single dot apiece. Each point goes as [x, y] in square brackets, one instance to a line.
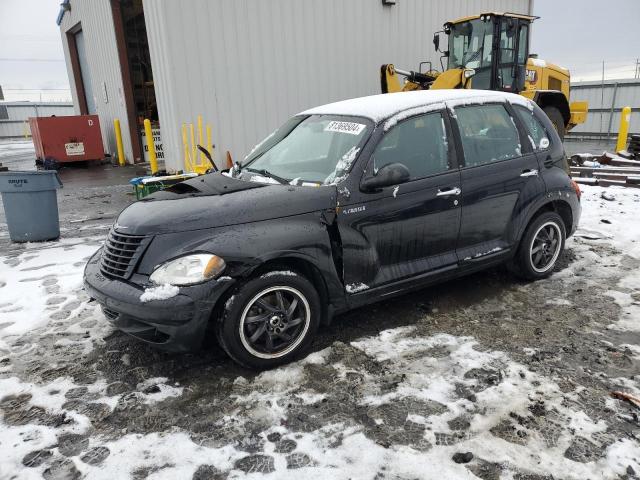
[268, 174]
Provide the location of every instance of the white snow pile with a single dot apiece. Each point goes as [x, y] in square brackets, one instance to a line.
[160, 292]
[42, 283]
[610, 223]
[263, 179]
[356, 287]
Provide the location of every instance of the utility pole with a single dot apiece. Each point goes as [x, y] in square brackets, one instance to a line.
[602, 97]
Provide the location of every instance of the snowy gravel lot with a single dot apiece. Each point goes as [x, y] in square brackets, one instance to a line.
[519, 375]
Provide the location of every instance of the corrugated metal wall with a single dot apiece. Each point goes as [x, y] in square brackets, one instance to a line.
[19, 113]
[601, 101]
[247, 65]
[102, 56]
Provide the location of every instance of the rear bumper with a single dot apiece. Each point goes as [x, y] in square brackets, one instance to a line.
[175, 324]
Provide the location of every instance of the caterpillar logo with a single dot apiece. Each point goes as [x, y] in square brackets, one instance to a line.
[531, 76]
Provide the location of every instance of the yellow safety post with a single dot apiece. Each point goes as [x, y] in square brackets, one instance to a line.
[194, 150]
[623, 131]
[26, 130]
[200, 138]
[185, 144]
[209, 144]
[151, 146]
[116, 127]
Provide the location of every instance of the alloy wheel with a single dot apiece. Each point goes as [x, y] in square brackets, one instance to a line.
[274, 322]
[545, 247]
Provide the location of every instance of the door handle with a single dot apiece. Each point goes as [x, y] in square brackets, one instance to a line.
[448, 192]
[548, 162]
[532, 172]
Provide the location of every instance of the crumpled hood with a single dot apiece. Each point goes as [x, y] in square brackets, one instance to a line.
[215, 200]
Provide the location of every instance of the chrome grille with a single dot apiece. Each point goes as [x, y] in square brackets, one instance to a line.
[121, 253]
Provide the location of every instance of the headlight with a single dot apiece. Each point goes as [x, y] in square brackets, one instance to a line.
[188, 270]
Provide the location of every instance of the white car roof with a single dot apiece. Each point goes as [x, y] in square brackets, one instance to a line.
[384, 106]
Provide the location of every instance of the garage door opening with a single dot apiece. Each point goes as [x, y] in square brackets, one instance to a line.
[137, 73]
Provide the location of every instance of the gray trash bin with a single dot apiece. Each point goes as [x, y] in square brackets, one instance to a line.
[31, 205]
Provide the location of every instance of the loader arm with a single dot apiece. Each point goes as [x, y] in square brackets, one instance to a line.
[390, 81]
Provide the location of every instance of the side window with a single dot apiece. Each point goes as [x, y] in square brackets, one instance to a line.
[536, 131]
[419, 143]
[488, 134]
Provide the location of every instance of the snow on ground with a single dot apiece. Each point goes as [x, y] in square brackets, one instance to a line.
[396, 404]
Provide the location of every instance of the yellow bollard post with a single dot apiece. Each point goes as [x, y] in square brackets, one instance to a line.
[153, 160]
[623, 131]
[209, 144]
[26, 130]
[194, 150]
[185, 144]
[116, 127]
[200, 139]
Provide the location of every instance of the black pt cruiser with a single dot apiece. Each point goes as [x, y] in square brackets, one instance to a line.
[344, 205]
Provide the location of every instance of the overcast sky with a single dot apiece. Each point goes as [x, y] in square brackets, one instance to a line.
[577, 34]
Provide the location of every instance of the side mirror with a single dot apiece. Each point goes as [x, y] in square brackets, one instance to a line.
[390, 174]
[436, 41]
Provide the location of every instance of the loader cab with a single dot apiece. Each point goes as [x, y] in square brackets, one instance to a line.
[492, 48]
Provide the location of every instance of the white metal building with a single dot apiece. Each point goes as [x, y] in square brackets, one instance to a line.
[14, 116]
[606, 101]
[244, 65]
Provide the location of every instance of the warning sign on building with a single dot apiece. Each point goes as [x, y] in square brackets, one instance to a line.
[157, 142]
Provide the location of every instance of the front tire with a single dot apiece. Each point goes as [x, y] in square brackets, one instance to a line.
[557, 119]
[270, 320]
[540, 247]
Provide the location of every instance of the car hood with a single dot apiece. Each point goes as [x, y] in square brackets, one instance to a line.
[215, 200]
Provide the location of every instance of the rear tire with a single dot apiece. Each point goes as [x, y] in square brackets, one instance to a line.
[270, 320]
[540, 247]
[557, 119]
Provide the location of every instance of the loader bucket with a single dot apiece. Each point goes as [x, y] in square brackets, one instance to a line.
[578, 113]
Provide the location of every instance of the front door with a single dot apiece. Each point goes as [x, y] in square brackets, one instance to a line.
[409, 229]
[498, 180]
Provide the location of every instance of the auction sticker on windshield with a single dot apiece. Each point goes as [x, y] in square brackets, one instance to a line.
[345, 127]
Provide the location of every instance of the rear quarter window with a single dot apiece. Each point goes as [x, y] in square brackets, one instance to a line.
[538, 135]
[488, 134]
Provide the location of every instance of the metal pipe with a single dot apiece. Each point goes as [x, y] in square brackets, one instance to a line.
[404, 73]
[150, 146]
[116, 127]
[613, 104]
[602, 96]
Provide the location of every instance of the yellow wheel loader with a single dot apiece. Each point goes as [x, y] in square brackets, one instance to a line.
[491, 52]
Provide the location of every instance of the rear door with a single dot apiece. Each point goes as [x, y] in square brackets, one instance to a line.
[500, 179]
[409, 229]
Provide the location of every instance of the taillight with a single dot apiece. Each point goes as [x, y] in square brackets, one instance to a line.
[576, 187]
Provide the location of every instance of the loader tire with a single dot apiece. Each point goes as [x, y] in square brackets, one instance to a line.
[557, 119]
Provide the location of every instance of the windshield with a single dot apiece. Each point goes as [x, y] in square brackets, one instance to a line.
[314, 150]
[470, 46]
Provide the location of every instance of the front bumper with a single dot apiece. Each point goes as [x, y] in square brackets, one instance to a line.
[175, 324]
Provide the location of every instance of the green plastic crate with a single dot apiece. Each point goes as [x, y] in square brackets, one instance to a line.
[143, 186]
